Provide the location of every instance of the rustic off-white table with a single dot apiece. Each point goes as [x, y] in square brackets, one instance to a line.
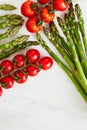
[48, 101]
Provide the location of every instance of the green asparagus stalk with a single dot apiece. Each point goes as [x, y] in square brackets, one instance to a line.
[10, 16]
[12, 22]
[71, 31]
[74, 53]
[81, 25]
[59, 38]
[10, 32]
[70, 27]
[63, 66]
[17, 48]
[7, 7]
[13, 43]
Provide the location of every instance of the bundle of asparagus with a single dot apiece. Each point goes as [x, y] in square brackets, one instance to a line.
[73, 50]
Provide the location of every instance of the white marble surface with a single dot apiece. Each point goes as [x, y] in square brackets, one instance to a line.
[48, 101]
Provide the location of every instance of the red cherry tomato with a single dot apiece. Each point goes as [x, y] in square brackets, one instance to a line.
[1, 91]
[20, 76]
[28, 8]
[33, 25]
[47, 14]
[7, 82]
[33, 55]
[60, 5]
[32, 70]
[7, 66]
[43, 1]
[46, 62]
[19, 60]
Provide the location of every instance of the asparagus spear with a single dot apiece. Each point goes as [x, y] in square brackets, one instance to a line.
[13, 43]
[72, 34]
[74, 53]
[7, 7]
[11, 22]
[58, 37]
[10, 16]
[17, 48]
[63, 66]
[10, 32]
[81, 25]
[69, 27]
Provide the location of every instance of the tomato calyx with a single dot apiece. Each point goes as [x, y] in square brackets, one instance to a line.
[39, 22]
[34, 6]
[16, 78]
[4, 85]
[51, 10]
[2, 68]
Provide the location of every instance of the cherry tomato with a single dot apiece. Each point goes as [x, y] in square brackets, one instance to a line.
[47, 14]
[33, 25]
[7, 82]
[28, 8]
[60, 5]
[1, 91]
[32, 70]
[43, 1]
[19, 60]
[33, 55]
[46, 62]
[20, 76]
[7, 66]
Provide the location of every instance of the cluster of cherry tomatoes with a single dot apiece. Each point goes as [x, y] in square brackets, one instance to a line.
[21, 66]
[41, 11]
